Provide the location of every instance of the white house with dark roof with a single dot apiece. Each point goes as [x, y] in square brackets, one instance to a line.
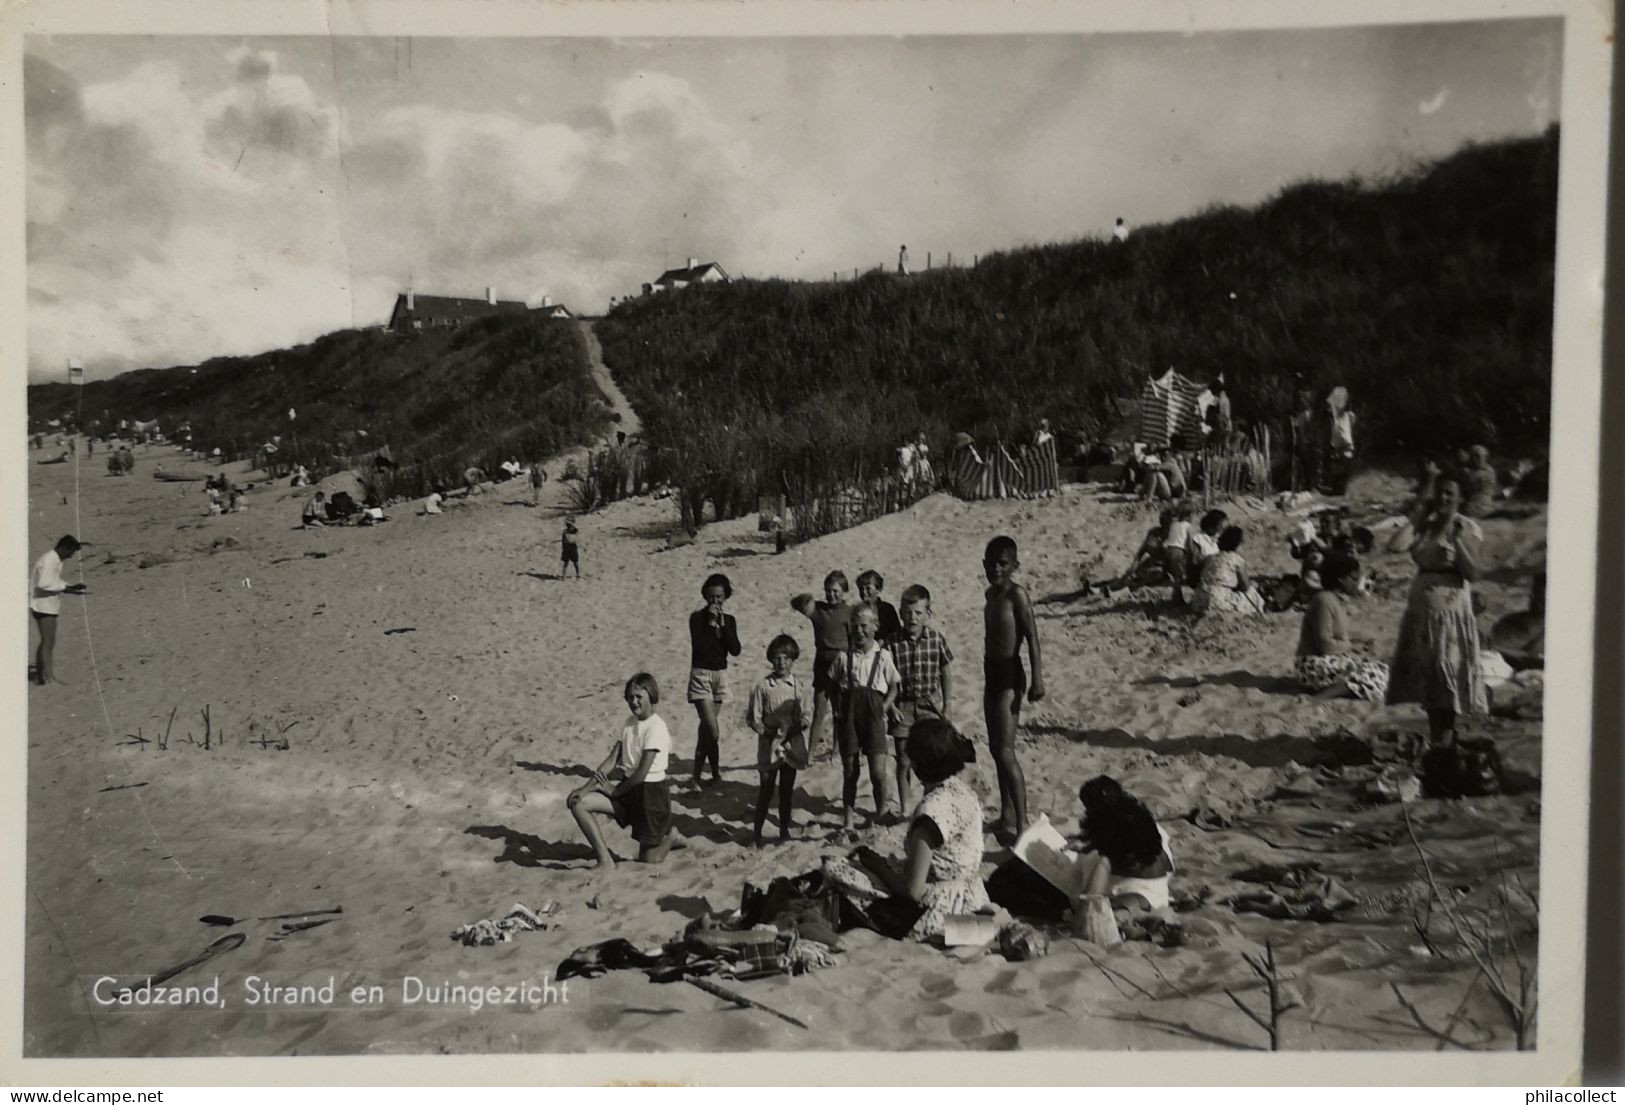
[428, 312]
[692, 273]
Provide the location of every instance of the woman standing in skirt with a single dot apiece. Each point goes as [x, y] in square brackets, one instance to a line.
[1436, 661]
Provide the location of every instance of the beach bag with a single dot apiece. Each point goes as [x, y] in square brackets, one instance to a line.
[1468, 768]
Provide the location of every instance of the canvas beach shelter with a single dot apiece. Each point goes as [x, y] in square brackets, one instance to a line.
[1171, 404]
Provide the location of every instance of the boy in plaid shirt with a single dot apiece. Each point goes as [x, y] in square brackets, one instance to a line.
[925, 663]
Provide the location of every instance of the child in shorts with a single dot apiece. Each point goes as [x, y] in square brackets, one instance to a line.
[832, 621]
[1174, 545]
[569, 551]
[630, 785]
[1009, 619]
[713, 637]
[867, 677]
[925, 678]
[777, 713]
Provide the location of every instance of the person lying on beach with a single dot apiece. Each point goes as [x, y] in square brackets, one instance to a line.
[867, 678]
[630, 785]
[832, 625]
[1134, 858]
[315, 511]
[939, 875]
[1225, 587]
[1328, 663]
[434, 504]
[870, 584]
[1009, 622]
[777, 713]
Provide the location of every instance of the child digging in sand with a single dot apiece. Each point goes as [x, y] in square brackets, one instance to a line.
[777, 713]
[867, 676]
[713, 637]
[1009, 620]
[832, 623]
[630, 785]
[925, 689]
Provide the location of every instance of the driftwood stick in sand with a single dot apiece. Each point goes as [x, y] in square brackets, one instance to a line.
[739, 999]
[306, 913]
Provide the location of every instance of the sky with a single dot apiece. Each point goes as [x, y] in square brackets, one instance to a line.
[192, 197]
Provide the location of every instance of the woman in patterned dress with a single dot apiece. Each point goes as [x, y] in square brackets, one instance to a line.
[940, 875]
[1436, 662]
[1224, 586]
[1327, 664]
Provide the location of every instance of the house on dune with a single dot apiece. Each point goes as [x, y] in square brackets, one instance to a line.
[429, 312]
[694, 272]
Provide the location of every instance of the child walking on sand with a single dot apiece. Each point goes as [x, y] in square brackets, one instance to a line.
[832, 621]
[630, 785]
[1008, 617]
[925, 679]
[713, 637]
[777, 713]
[867, 677]
[569, 551]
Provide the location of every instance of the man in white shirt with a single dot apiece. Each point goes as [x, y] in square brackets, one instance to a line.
[45, 602]
[1120, 231]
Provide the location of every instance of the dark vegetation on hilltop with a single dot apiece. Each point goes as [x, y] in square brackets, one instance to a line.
[441, 399]
[1429, 296]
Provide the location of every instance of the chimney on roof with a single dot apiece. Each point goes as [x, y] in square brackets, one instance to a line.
[490, 295]
[410, 303]
[547, 301]
[693, 263]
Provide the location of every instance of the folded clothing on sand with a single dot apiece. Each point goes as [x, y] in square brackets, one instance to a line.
[520, 918]
[1298, 892]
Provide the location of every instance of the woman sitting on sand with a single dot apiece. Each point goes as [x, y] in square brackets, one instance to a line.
[1327, 664]
[1225, 587]
[940, 875]
[1436, 662]
[1132, 855]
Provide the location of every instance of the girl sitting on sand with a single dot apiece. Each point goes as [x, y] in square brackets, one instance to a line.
[1225, 587]
[1147, 567]
[1133, 858]
[940, 874]
[1204, 543]
[630, 785]
[1327, 664]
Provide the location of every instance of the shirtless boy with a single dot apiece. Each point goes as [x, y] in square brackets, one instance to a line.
[1009, 620]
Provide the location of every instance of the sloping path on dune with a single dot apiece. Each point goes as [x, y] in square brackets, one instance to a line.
[627, 418]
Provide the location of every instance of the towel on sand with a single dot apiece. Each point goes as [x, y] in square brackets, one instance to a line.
[521, 918]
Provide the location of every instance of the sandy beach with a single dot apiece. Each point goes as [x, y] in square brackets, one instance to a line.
[395, 715]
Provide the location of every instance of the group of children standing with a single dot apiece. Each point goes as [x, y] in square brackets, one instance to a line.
[877, 671]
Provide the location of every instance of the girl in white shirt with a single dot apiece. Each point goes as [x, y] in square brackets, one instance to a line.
[630, 785]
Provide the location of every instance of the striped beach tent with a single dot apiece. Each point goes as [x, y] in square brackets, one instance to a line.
[1168, 405]
[1031, 470]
